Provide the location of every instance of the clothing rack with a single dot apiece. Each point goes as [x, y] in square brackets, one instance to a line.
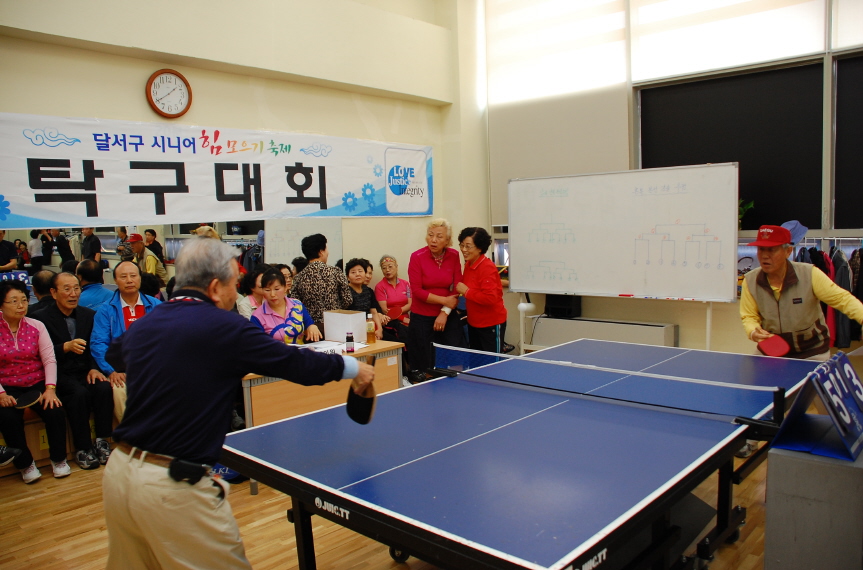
[240, 242]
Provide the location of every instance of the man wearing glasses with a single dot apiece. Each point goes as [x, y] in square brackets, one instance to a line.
[81, 387]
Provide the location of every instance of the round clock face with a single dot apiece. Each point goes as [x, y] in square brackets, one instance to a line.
[169, 93]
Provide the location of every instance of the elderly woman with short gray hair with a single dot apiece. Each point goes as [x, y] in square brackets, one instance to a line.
[434, 272]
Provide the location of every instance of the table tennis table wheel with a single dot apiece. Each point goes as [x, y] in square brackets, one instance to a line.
[399, 556]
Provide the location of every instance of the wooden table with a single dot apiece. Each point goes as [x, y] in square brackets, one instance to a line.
[268, 399]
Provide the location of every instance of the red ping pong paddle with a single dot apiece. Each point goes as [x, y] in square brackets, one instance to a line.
[394, 312]
[361, 407]
[774, 346]
[27, 399]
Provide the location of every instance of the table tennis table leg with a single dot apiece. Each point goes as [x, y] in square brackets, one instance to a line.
[658, 556]
[247, 408]
[728, 517]
[302, 521]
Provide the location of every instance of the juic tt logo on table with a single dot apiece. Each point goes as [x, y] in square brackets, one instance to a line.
[331, 508]
[593, 562]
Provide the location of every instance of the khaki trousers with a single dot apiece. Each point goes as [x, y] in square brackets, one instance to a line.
[156, 522]
[119, 403]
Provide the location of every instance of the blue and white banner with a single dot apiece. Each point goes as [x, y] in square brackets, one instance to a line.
[70, 172]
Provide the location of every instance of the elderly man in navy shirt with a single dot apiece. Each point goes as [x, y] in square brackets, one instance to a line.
[183, 365]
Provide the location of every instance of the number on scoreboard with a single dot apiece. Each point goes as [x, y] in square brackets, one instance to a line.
[840, 433]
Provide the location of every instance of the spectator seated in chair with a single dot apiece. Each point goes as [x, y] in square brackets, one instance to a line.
[93, 293]
[28, 375]
[252, 293]
[363, 297]
[394, 297]
[126, 306]
[81, 387]
[41, 283]
[281, 317]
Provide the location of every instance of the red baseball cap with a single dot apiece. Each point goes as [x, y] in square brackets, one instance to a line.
[771, 236]
[135, 237]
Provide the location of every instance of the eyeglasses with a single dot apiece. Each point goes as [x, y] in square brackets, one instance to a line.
[466, 246]
[18, 303]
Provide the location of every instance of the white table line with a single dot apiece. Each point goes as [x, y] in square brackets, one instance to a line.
[453, 445]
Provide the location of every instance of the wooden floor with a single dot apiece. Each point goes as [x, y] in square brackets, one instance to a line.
[59, 524]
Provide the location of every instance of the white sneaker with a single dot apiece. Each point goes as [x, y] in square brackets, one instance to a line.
[748, 448]
[61, 469]
[31, 473]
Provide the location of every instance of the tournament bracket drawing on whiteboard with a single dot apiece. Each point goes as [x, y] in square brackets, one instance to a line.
[679, 243]
[667, 233]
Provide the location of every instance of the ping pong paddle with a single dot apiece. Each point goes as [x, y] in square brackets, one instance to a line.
[27, 399]
[394, 312]
[774, 346]
[361, 407]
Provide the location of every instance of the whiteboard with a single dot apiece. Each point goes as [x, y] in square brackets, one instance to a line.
[661, 233]
[284, 237]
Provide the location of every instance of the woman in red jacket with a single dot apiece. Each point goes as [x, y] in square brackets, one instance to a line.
[482, 290]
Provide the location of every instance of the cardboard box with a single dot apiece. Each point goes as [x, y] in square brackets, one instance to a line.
[338, 323]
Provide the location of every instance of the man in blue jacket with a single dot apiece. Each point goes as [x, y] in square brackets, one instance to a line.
[113, 319]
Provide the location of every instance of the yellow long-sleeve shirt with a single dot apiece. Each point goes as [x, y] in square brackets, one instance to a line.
[826, 290]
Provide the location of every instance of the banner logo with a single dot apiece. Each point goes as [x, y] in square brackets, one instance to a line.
[399, 179]
[407, 181]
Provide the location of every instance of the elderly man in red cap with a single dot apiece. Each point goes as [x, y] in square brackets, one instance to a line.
[146, 260]
[782, 298]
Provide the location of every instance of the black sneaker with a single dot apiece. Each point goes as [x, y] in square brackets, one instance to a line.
[86, 459]
[237, 422]
[8, 454]
[417, 376]
[103, 451]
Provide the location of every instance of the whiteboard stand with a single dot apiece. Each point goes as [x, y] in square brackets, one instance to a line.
[709, 323]
[523, 307]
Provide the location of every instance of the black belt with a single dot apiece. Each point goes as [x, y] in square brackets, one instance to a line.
[178, 469]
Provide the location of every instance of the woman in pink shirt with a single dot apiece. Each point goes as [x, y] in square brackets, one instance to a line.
[28, 365]
[394, 297]
[433, 272]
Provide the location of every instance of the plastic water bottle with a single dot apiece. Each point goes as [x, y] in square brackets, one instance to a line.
[370, 329]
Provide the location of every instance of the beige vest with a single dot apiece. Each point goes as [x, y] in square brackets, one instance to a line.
[797, 315]
[161, 272]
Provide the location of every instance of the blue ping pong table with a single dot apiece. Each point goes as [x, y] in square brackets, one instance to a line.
[504, 467]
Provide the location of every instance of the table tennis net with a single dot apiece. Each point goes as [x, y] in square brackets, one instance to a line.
[695, 395]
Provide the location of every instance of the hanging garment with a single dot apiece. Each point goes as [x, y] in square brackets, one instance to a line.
[843, 279]
[253, 256]
[829, 312]
[854, 264]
